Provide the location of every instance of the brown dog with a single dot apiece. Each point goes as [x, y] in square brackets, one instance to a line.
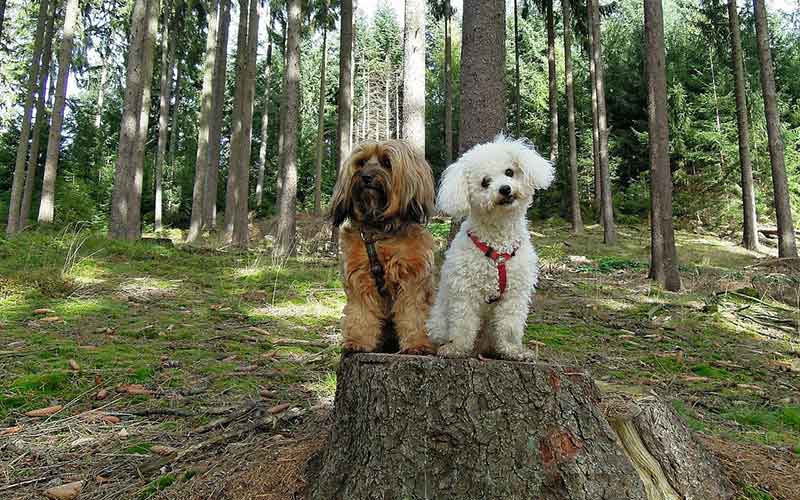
[385, 192]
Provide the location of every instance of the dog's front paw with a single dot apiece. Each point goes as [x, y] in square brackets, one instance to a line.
[453, 351]
[352, 346]
[425, 349]
[516, 353]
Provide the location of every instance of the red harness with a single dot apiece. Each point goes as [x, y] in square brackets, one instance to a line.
[500, 259]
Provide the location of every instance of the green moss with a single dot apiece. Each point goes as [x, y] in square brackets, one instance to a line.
[159, 484]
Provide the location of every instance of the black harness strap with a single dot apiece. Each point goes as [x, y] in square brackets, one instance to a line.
[375, 267]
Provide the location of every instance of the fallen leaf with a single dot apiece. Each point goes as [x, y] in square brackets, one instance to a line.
[50, 319]
[101, 479]
[98, 380]
[74, 366]
[45, 412]
[258, 330]
[163, 450]
[101, 395]
[11, 430]
[134, 389]
[68, 491]
[81, 441]
[111, 419]
[43, 311]
[279, 408]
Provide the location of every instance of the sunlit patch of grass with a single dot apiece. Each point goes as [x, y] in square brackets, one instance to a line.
[324, 388]
[782, 419]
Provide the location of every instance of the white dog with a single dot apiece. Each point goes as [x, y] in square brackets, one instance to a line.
[491, 268]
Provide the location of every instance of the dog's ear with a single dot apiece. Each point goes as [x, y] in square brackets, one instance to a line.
[538, 172]
[341, 202]
[453, 197]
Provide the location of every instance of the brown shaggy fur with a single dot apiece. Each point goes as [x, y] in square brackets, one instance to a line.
[385, 193]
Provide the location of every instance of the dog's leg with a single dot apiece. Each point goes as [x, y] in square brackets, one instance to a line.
[362, 323]
[465, 323]
[508, 328]
[410, 310]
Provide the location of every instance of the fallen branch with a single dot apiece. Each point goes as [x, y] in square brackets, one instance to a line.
[300, 343]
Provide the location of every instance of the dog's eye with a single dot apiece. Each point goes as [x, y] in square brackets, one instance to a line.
[386, 162]
[361, 162]
[485, 182]
[509, 172]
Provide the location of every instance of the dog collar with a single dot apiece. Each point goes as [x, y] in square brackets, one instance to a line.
[375, 266]
[500, 259]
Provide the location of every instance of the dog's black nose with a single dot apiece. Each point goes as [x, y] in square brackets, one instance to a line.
[366, 178]
[505, 190]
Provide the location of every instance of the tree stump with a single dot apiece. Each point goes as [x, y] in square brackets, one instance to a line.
[415, 427]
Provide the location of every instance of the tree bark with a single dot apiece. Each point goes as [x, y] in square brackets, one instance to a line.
[203, 129]
[517, 83]
[448, 85]
[98, 117]
[609, 229]
[664, 258]
[17, 183]
[236, 206]
[483, 108]
[218, 109]
[134, 229]
[262, 151]
[174, 133]
[167, 67]
[598, 185]
[129, 123]
[787, 247]
[552, 79]
[575, 201]
[387, 114]
[424, 427]
[287, 225]
[320, 125]
[42, 119]
[344, 99]
[47, 203]
[414, 74]
[2, 17]
[749, 216]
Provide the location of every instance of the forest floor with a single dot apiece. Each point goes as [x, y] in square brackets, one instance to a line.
[175, 372]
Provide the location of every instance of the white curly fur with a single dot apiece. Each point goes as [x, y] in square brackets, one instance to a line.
[468, 278]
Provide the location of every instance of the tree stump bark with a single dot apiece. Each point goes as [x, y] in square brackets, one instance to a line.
[414, 427]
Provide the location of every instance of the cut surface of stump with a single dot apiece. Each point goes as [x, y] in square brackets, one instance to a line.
[415, 427]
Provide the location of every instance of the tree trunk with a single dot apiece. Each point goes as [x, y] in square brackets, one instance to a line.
[517, 83]
[664, 258]
[575, 201]
[609, 229]
[98, 117]
[135, 195]
[787, 246]
[236, 206]
[483, 107]
[398, 133]
[287, 227]
[281, 123]
[167, 67]
[41, 120]
[262, 151]
[423, 427]
[598, 185]
[414, 74]
[750, 218]
[387, 114]
[344, 99]
[448, 85]
[320, 126]
[129, 123]
[17, 183]
[552, 77]
[47, 204]
[2, 16]
[203, 129]
[174, 135]
[218, 109]
[241, 234]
